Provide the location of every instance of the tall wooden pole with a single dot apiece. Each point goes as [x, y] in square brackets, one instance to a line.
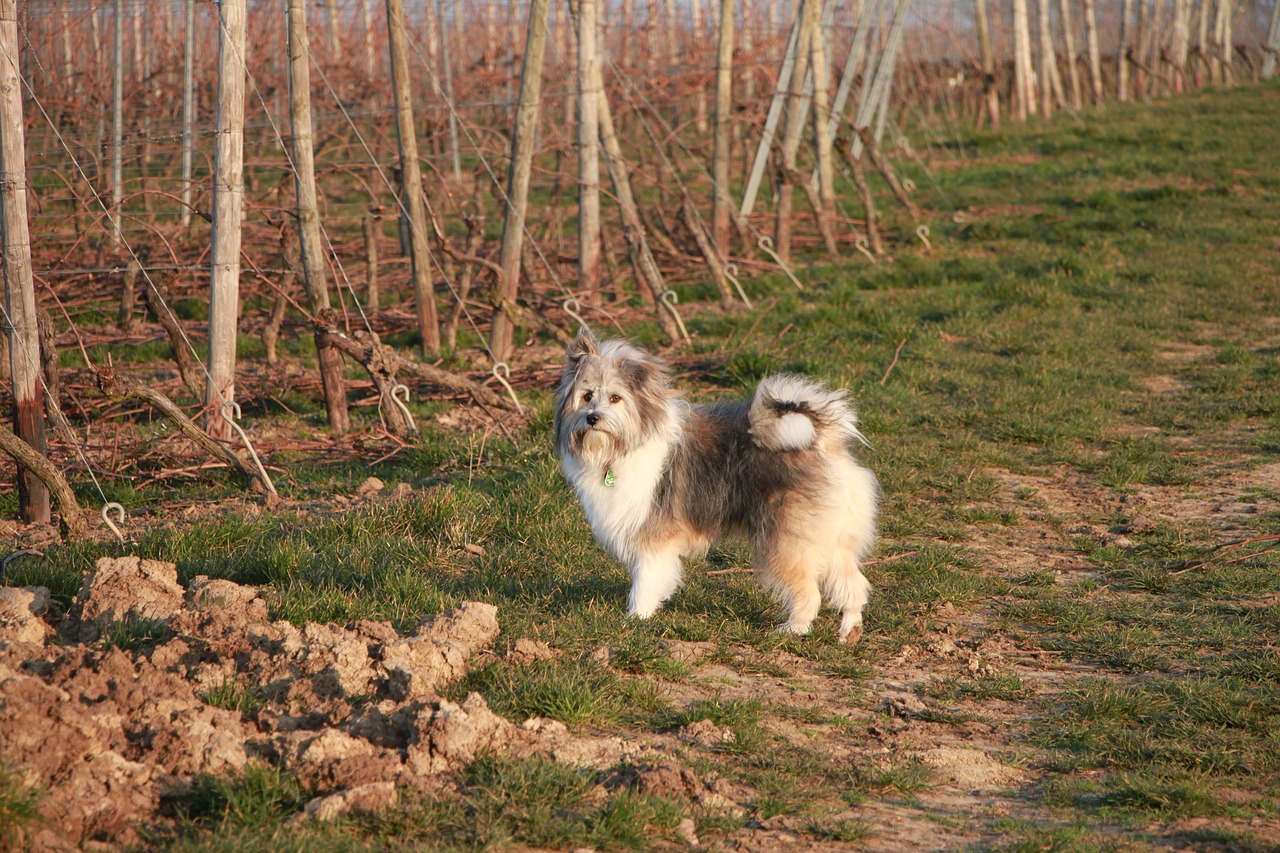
[810, 13]
[447, 64]
[823, 136]
[411, 181]
[780, 93]
[19, 287]
[502, 338]
[1069, 41]
[1023, 77]
[1050, 82]
[991, 95]
[188, 108]
[1094, 49]
[228, 201]
[588, 151]
[1122, 52]
[1180, 40]
[304, 178]
[642, 260]
[722, 205]
[1272, 45]
[117, 120]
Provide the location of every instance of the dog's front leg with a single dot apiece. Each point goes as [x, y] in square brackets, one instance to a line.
[654, 577]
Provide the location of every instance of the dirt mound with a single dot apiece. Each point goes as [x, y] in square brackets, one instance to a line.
[144, 685]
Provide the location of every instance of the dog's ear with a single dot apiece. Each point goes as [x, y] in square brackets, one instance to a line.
[583, 345]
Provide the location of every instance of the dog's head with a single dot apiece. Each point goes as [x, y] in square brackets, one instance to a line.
[612, 398]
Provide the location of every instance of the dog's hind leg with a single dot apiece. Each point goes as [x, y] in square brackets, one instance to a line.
[654, 577]
[847, 590]
[790, 574]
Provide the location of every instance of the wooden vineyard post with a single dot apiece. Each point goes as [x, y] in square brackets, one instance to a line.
[991, 94]
[1179, 41]
[228, 199]
[588, 151]
[1272, 44]
[523, 139]
[188, 108]
[1122, 52]
[822, 132]
[117, 121]
[797, 111]
[785, 75]
[1050, 81]
[412, 205]
[642, 260]
[1024, 82]
[304, 173]
[1094, 50]
[722, 204]
[1069, 40]
[20, 297]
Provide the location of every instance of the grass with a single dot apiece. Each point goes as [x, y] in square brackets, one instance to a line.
[19, 806]
[1100, 325]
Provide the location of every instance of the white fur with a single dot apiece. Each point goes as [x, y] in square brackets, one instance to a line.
[616, 512]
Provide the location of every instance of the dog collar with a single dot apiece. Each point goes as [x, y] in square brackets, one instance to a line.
[608, 477]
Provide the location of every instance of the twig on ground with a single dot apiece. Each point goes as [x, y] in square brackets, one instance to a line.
[893, 363]
[1227, 547]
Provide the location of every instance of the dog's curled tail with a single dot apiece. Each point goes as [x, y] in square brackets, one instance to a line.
[792, 413]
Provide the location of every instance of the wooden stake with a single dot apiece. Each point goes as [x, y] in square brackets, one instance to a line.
[1094, 50]
[188, 109]
[633, 228]
[1272, 45]
[502, 337]
[228, 199]
[722, 203]
[411, 203]
[20, 297]
[810, 13]
[304, 179]
[1122, 52]
[990, 94]
[370, 229]
[780, 92]
[1073, 67]
[1024, 82]
[589, 78]
[825, 210]
[117, 121]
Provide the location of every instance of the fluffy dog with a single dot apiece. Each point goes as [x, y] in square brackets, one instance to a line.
[661, 478]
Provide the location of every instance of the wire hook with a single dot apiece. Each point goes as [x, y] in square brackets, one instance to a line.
[922, 231]
[501, 371]
[672, 299]
[107, 509]
[864, 246]
[766, 244]
[403, 404]
[253, 454]
[571, 307]
[731, 273]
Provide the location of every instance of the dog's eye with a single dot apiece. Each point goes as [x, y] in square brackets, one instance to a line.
[614, 399]
[586, 398]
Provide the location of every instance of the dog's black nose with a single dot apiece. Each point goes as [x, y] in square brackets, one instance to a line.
[593, 419]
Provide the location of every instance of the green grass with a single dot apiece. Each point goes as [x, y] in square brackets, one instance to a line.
[19, 806]
[1101, 321]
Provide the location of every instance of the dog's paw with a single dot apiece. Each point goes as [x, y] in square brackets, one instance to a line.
[794, 627]
[852, 636]
[641, 612]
